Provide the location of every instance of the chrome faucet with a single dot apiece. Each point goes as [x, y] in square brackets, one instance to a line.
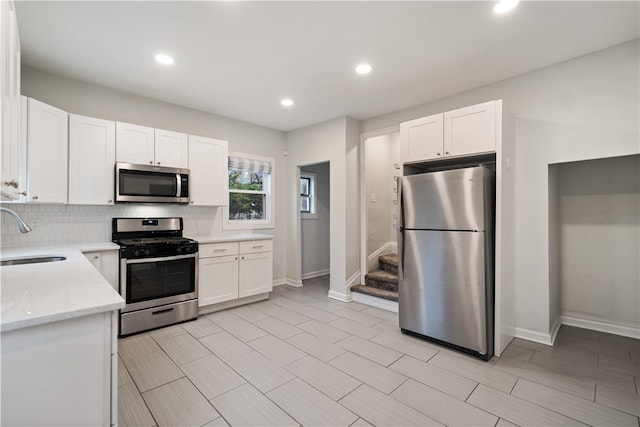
[22, 226]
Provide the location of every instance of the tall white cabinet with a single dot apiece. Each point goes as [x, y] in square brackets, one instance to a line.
[92, 154]
[11, 182]
[47, 151]
[209, 182]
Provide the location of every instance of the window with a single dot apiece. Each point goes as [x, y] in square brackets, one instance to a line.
[308, 195]
[250, 193]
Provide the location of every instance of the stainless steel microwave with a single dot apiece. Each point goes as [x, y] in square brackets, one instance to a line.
[151, 184]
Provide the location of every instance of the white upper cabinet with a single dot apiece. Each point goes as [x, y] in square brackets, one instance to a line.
[134, 144]
[422, 138]
[470, 130]
[12, 156]
[171, 149]
[209, 180]
[463, 132]
[92, 155]
[148, 146]
[47, 147]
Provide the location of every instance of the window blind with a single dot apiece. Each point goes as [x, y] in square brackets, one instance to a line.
[249, 165]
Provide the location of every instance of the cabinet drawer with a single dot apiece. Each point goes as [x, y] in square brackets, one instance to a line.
[218, 249]
[256, 246]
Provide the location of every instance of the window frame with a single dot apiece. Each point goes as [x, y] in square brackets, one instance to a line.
[268, 190]
[313, 211]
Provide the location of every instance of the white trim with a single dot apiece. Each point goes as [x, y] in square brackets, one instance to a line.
[534, 336]
[353, 280]
[313, 274]
[382, 303]
[555, 329]
[581, 320]
[387, 248]
[292, 282]
[339, 296]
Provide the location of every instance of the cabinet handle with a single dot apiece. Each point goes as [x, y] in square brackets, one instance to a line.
[447, 153]
[438, 154]
[35, 197]
[109, 201]
[191, 202]
[236, 258]
[219, 250]
[242, 257]
[151, 162]
[258, 247]
[11, 183]
[158, 162]
[23, 193]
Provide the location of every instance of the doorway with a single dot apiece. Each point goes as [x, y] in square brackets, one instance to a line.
[315, 226]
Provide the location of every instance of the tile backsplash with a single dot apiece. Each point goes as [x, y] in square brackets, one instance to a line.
[68, 224]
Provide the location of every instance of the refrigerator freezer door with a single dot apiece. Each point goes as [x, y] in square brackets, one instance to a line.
[442, 292]
[448, 200]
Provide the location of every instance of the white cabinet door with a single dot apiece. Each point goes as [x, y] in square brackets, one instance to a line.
[218, 279]
[171, 149]
[256, 271]
[134, 144]
[47, 147]
[10, 108]
[209, 181]
[422, 139]
[92, 154]
[470, 130]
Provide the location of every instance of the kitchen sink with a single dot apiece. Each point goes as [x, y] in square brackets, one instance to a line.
[32, 260]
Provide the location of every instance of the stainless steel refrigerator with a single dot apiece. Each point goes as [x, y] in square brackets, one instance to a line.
[446, 258]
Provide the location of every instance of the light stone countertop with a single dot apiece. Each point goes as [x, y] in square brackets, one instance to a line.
[34, 294]
[232, 237]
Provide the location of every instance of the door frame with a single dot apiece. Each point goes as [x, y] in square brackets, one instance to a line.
[363, 193]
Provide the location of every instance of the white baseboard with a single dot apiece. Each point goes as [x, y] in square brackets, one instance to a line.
[382, 303]
[339, 296]
[581, 320]
[233, 303]
[534, 336]
[313, 274]
[288, 281]
[555, 329]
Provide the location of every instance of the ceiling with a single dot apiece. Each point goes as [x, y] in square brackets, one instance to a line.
[239, 59]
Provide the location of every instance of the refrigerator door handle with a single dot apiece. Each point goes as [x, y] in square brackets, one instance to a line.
[400, 231]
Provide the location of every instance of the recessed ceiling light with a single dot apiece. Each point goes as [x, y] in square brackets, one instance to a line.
[286, 102]
[363, 69]
[504, 6]
[164, 59]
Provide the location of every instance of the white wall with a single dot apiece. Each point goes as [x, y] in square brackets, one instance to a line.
[334, 141]
[585, 108]
[55, 224]
[381, 152]
[315, 231]
[599, 216]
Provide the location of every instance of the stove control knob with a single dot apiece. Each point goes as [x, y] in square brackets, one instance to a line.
[147, 252]
[179, 250]
[187, 249]
[136, 253]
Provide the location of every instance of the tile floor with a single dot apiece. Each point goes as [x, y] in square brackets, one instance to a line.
[303, 359]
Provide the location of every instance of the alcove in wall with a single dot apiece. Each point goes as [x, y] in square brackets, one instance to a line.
[594, 244]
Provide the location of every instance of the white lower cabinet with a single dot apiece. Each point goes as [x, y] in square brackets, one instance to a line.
[60, 373]
[232, 270]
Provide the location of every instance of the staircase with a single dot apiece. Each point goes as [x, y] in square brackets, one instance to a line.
[382, 283]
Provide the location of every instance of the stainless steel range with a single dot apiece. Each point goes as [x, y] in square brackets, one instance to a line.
[158, 273]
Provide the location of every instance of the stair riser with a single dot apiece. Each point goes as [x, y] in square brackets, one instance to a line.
[388, 267]
[381, 285]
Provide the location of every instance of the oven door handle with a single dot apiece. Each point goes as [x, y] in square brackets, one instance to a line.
[159, 259]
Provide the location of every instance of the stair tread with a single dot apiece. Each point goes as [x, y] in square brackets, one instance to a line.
[391, 259]
[383, 276]
[376, 292]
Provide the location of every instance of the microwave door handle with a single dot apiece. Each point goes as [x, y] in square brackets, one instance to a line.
[179, 186]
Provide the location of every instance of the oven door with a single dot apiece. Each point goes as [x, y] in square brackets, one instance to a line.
[151, 282]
